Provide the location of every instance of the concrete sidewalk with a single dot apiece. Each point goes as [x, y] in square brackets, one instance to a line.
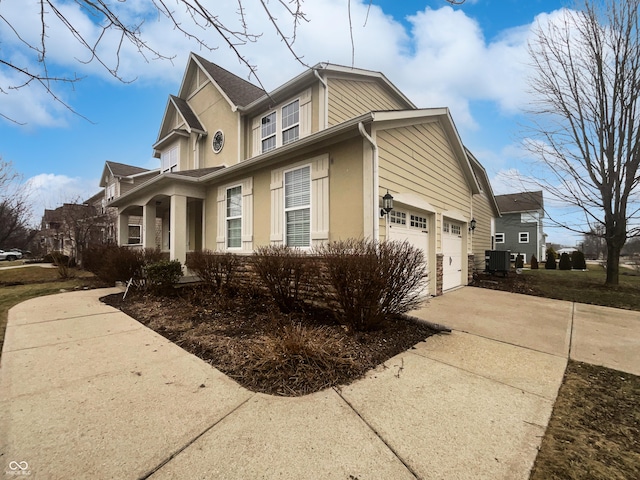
[87, 392]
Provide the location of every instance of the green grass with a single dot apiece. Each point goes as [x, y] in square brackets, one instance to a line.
[585, 287]
[36, 282]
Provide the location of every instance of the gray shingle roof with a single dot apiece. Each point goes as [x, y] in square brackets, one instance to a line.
[187, 113]
[239, 91]
[520, 202]
[122, 170]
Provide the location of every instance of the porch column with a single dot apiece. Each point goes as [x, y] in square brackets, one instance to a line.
[178, 229]
[149, 225]
[123, 229]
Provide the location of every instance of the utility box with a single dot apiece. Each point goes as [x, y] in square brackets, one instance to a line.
[497, 261]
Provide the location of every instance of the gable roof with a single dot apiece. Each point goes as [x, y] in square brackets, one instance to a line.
[483, 179]
[238, 90]
[121, 170]
[190, 118]
[520, 202]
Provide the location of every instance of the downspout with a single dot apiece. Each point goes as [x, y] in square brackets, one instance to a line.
[376, 181]
[325, 98]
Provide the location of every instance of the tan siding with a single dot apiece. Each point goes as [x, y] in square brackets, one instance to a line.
[419, 160]
[350, 98]
[483, 213]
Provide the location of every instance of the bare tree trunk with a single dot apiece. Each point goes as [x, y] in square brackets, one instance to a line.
[613, 264]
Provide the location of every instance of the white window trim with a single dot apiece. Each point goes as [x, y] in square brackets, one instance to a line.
[499, 238]
[290, 127]
[310, 205]
[227, 218]
[520, 234]
[171, 168]
[246, 185]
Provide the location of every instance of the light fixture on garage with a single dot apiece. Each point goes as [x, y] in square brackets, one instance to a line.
[472, 225]
[387, 204]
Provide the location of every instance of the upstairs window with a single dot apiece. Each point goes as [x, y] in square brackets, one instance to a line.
[297, 207]
[291, 122]
[523, 237]
[268, 132]
[234, 217]
[169, 160]
[499, 237]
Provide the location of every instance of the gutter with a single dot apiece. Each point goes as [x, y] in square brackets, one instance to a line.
[325, 120]
[376, 180]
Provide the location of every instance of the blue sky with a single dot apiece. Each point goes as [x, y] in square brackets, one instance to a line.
[471, 58]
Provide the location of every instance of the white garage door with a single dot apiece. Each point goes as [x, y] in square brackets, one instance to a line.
[452, 255]
[413, 230]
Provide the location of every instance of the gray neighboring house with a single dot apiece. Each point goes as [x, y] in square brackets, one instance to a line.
[520, 228]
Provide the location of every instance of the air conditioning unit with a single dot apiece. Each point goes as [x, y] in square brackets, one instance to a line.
[497, 261]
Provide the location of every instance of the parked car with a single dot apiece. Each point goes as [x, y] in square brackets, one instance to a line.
[10, 255]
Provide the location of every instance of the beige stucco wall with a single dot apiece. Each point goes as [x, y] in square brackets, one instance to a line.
[351, 98]
[345, 195]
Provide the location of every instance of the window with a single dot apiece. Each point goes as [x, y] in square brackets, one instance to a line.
[135, 235]
[523, 237]
[399, 218]
[111, 192]
[268, 132]
[455, 229]
[234, 217]
[514, 256]
[297, 207]
[446, 227]
[499, 237]
[169, 160]
[418, 222]
[290, 122]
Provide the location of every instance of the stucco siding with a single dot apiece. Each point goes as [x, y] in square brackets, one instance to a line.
[350, 98]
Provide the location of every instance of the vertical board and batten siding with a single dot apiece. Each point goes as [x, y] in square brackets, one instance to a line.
[418, 159]
[351, 98]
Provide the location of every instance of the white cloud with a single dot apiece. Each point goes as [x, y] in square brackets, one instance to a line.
[49, 191]
[444, 60]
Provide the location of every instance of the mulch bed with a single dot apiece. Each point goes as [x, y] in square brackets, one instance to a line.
[246, 337]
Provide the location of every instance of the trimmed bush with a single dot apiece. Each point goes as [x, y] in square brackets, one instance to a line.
[284, 272]
[534, 262]
[215, 269]
[370, 280]
[519, 261]
[577, 260]
[113, 263]
[565, 262]
[550, 264]
[161, 277]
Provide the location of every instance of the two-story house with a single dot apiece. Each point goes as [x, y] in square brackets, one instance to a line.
[520, 227]
[310, 162]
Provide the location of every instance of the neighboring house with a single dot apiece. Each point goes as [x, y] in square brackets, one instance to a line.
[70, 228]
[520, 228]
[309, 162]
[116, 180]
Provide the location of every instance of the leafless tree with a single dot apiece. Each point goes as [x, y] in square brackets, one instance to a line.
[107, 15]
[82, 225]
[15, 208]
[586, 90]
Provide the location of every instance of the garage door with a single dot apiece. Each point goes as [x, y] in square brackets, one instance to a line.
[411, 229]
[452, 255]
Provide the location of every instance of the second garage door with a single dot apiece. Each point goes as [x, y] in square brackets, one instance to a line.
[452, 254]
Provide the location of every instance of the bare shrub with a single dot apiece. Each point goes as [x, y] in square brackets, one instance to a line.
[285, 272]
[370, 280]
[215, 269]
[113, 263]
[161, 277]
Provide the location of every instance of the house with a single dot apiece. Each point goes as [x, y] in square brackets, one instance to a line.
[117, 179]
[310, 162]
[520, 227]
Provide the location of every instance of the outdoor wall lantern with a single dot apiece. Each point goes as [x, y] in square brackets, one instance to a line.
[472, 225]
[387, 204]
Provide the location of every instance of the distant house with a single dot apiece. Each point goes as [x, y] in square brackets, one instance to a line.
[520, 227]
[307, 163]
[70, 228]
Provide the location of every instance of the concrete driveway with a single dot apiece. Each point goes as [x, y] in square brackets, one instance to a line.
[87, 392]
